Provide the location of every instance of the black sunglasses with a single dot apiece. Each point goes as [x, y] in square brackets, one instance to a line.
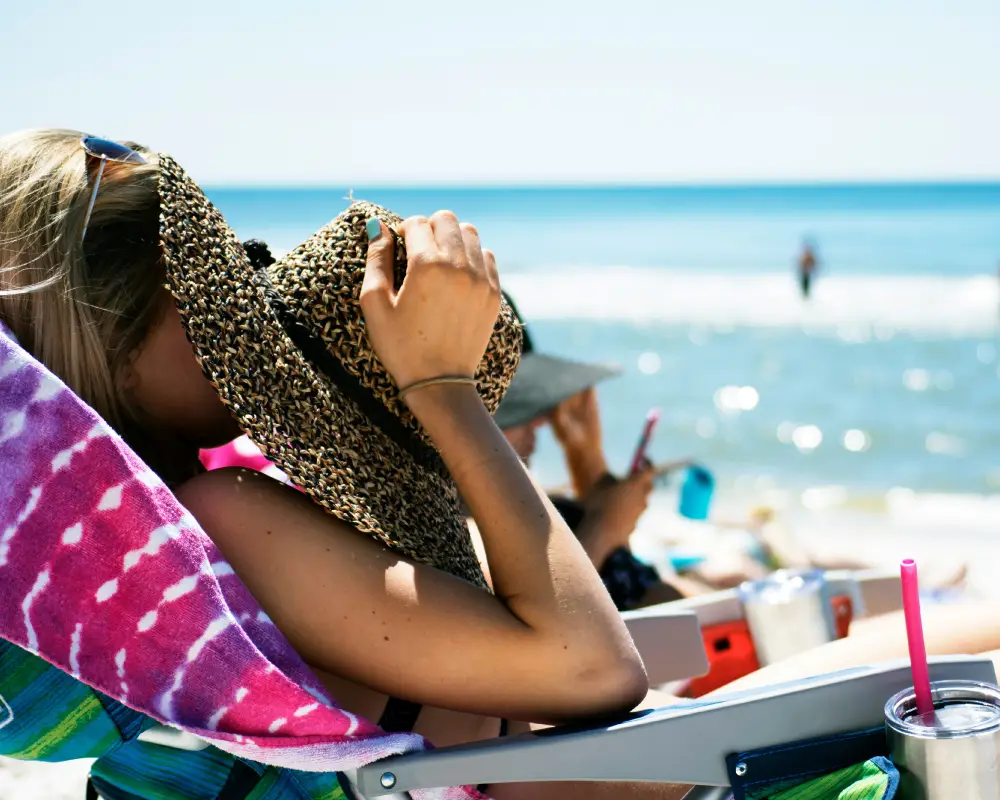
[105, 150]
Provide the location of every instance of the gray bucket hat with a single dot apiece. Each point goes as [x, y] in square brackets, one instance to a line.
[543, 381]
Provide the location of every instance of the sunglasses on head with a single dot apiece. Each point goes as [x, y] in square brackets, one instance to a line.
[105, 150]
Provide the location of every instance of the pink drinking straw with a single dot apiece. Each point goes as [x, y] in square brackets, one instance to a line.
[915, 637]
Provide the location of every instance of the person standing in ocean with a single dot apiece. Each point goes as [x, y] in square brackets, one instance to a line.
[808, 264]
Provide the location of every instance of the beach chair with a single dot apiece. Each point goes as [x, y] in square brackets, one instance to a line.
[733, 743]
[62, 719]
[728, 742]
[835, 720]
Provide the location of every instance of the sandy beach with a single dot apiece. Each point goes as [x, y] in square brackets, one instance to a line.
[21, 780]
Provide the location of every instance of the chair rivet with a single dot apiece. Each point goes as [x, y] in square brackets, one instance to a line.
[388, 780]
[741, 769]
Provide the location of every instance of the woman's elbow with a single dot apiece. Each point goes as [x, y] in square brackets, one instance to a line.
[628, 685]
[614, 687]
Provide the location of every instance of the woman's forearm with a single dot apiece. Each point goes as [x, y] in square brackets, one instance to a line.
[537, 566]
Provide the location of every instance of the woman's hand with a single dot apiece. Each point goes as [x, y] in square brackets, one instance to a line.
[440, 321]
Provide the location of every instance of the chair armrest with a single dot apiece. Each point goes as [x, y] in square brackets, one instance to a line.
[711, 609]
[686, 744]
[669, 641]
[882, 591]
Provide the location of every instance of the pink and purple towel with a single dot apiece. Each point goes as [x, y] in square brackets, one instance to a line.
[106, 576]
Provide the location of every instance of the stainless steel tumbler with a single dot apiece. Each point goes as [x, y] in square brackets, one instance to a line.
[790, 612]
[953, 754]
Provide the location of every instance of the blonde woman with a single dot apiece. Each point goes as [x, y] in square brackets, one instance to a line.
[121, 278]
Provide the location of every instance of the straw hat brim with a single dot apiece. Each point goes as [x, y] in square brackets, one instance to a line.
[317, 424]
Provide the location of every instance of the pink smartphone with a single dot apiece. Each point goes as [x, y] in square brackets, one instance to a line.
[647, 435]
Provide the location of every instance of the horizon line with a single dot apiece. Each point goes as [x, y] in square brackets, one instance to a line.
[348, 185]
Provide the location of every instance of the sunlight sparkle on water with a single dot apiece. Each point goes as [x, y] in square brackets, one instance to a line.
[736, 398]
[649, 363]
[917, 380]
[943, 445]
[856, 440]
[807, 438]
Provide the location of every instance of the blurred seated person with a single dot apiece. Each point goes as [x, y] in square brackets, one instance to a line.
[604, 509]
[770, 544]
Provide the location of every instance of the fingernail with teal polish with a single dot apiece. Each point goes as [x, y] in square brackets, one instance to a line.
[374, 229]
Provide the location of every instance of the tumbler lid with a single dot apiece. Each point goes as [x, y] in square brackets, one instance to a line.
[958, 717]
[961, 708]
[780, 587]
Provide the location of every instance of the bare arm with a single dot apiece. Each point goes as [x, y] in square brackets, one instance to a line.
[548, 646]
[538, 569]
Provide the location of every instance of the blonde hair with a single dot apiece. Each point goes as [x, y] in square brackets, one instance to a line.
[82, 308]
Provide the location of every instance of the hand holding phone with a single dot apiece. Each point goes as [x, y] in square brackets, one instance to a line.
[652, 418]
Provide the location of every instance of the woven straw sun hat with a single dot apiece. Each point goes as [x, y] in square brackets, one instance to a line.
[286, 349]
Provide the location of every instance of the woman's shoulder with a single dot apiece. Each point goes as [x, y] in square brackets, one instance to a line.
[228, 496]
[221, 480]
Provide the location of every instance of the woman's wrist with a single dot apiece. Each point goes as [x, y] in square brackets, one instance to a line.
[441, 402]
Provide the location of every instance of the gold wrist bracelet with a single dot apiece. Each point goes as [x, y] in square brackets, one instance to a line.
[459, 379]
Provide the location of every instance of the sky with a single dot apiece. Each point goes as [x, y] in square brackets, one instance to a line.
[539, 91]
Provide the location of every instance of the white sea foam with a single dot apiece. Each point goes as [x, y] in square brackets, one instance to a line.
[857, 306]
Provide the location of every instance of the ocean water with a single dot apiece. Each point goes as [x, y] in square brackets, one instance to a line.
[886, 384]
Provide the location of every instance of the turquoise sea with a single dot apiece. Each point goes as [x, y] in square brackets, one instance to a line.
[887, 379]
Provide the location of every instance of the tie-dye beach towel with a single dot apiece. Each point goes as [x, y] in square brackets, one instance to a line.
[104, 575]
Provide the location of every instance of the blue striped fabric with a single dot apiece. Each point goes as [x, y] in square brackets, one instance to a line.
[47, 715]
[153, 772]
